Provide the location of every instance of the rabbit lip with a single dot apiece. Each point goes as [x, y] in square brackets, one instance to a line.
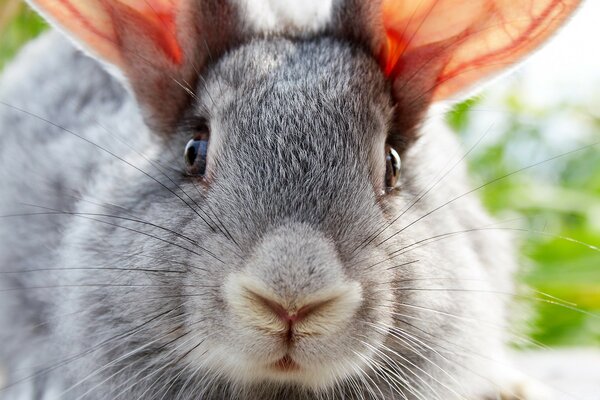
[286, 364]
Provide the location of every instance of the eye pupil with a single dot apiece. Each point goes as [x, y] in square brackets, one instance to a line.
[191, 154]
[392, 168]
[195, 155]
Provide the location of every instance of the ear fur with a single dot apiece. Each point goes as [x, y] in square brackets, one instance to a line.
[472, 39]
[432, 50]
[160, 46]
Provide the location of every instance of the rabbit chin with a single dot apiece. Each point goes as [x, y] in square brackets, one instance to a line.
[283, 370]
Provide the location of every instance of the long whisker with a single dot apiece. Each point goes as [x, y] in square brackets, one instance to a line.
[105, 150]
[418, 341]
[125, 356]
[435, 182]
[111, 339]
[476, 321]
[487, 184]
[413, 365]
[432, 239]
[218, 224]
[404, 380]
[541, 300]
[81, 215]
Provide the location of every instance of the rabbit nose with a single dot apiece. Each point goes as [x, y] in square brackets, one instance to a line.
[286, 315]
[324, 312]
[293, 314]
[294, 278]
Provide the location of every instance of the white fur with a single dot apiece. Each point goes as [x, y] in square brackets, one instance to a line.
[243, 293]
[280, 15]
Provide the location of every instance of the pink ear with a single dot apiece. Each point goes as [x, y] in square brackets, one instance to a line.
[154, 43]
[457, 43]
[95, 24]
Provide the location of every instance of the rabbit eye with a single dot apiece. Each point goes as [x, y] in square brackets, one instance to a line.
[392, 168]
[195, 154]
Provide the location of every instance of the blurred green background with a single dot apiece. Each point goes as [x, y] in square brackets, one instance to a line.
[559, 198]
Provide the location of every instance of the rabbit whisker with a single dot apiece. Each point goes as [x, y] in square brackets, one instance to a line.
[407, 361]
[50, 269]
[536, 164]
[115, 362]
[395, 382]
[404, 335]
[176, 377]
[163, 369]
[366, 379]
[91, 350]
[467, 353]
[480, 322]
[553, 302]
[432, 239]
[124, 367]
[105, 151]
[207, 372]
[134, 352]
[354, 386]
[461, 318]
[219, 225]
[414, 383]
[417, 341]
[136, 220]
[433, 184]
[134, 301]
[80, 215]
[408, 382]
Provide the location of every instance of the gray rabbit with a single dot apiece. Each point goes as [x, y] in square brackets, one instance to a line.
[254, 200]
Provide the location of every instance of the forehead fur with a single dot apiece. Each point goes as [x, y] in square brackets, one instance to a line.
[294, 107]
[325, 64]
[319, 91]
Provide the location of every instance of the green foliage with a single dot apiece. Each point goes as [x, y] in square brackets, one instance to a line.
[557, 203]
[18, 24]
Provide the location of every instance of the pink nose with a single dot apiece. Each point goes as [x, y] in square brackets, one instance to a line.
[289, 317]
[323, 312]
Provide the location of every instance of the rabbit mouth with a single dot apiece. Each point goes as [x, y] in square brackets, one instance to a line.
[285, 364]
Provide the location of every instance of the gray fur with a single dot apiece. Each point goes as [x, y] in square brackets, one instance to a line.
[298, 130]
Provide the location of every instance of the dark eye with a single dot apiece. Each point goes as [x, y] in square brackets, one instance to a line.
[392, 168]
[196, 151]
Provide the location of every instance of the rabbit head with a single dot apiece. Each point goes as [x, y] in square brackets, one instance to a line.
[285, 253]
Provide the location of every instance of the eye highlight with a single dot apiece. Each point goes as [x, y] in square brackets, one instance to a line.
[196, 152]
[392, 168]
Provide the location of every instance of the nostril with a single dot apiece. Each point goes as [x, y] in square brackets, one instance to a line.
[291, 315]
[322, 312]
[279, 310]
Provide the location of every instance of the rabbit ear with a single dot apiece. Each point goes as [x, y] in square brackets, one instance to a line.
[97, 24]
[158, 45]
[449, 45]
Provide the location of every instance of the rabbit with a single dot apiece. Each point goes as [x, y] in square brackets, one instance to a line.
[202, 203]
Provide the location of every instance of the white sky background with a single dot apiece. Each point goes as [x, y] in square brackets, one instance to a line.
[564, 76]
[567, 68]
[559, 95]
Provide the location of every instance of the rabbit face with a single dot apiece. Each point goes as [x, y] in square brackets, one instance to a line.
[283, 267]
[305, 147]
[268, 284]
[275, 276]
